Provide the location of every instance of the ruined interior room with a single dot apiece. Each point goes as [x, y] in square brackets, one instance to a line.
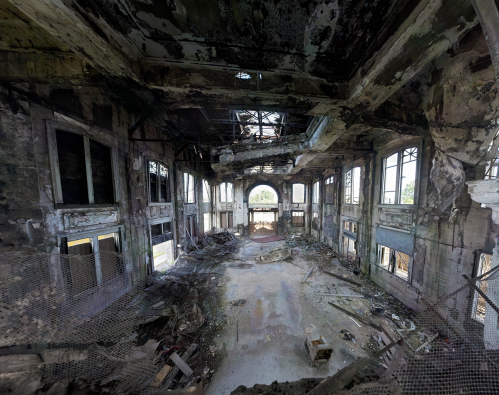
[249, 197]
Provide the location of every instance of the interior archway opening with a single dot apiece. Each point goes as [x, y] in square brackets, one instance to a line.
[263, 211]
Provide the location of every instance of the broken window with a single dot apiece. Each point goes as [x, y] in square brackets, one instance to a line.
[298, 193]
[258, 126]
[399, 177]
[349, 248]
[226, 219]
[92, 260]
[316, 192]
[207, 222]
[479, 303]
[243, 76]
[329, 190]
[350, 226]
[190, 227]
[298, 218]
[206, 192]
[315, 221]
[226, 192]
[352, 186]
[492, 169]
[162, 244]
[189, 195]
[85, 169]
[394, 261]
[159, 183]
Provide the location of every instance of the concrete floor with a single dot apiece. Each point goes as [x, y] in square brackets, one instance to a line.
[273, 323]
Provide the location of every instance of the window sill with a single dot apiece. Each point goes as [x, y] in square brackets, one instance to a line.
[160, 204]
[401, 206]
[351, 204]
[60, 206]
[394, 274]
[190, 203]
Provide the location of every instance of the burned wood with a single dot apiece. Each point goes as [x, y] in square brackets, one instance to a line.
[357, 316]
[176, 369]
[343, 278]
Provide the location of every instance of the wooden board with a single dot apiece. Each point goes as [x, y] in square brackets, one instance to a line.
[386, 341]
[181, 364]
[161, 376]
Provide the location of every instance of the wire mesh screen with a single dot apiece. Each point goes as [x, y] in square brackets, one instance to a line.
[445, 350]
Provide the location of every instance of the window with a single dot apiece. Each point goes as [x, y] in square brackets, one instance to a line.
[298, 193]
[189, 195]
[226, 192]
[298, 218]
[399, 177]
[315, 221]
[85, 170]
[316, 192]
[190, 227]
[349, 248]
[91, 260]
[479, 303]
[492, 169]
[159, 183]
[394, 261]
[352, 186]
[206, 192]
[206, 220]
[350, 226]
[243, 76]
[161, 232]
[329, 190]
[226, 219]
[162, 244]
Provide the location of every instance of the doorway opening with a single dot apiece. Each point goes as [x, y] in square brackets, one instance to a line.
[263, 211]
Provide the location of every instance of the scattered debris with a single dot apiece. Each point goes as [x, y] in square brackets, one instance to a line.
[308, 274]
[343, 278]
[346, 335]
[275, 255]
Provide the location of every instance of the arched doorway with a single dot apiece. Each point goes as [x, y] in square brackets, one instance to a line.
[263, 211]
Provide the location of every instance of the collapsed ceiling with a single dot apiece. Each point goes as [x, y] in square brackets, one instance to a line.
[229, 75]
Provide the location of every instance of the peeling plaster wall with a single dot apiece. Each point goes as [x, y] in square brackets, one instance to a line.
[31, 221]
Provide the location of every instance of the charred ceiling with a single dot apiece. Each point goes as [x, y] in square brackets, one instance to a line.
[234, 73]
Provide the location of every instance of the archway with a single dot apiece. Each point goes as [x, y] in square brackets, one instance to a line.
[263, 210]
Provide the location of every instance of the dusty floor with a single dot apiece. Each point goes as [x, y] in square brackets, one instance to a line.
[273, 323]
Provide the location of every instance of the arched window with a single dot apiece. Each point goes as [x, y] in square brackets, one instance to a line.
[226, 192]
[399, 177]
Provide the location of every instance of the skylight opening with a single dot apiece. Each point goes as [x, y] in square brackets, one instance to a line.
[243, 76]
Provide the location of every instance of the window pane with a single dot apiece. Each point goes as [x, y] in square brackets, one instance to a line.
[356, 185]
[229, 192]
[206, 220]
[72, 167]
[102, 174]
[408, 182]
[156, 230]
[223, 192]
[348, 186]
[392, 160]
[164, 184]
[384, 253]
[297, 218]
[206, 191]
[186, 186]
[111, 263]
[402, 265]
[390, 185]
[298, 193]
[81, 265]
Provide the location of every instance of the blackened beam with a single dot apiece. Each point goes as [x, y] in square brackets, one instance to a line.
[176, 141]
[137, 125]
[229, 122]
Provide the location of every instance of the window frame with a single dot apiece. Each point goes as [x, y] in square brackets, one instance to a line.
[477, 272]
[316, 192]
[226, 194]
[304, 193]
[206, 187]
[298, 211]
[379, 248]
[399, 151]
[89, 133]
[63, 247]
[352, 185]
[186, 190]
[169, 189]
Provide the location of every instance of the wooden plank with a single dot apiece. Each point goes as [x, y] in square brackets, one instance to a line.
[386, 341]
[181, 364]
[357, 317]
[343, 278]
[19, 363]
[161, 376]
